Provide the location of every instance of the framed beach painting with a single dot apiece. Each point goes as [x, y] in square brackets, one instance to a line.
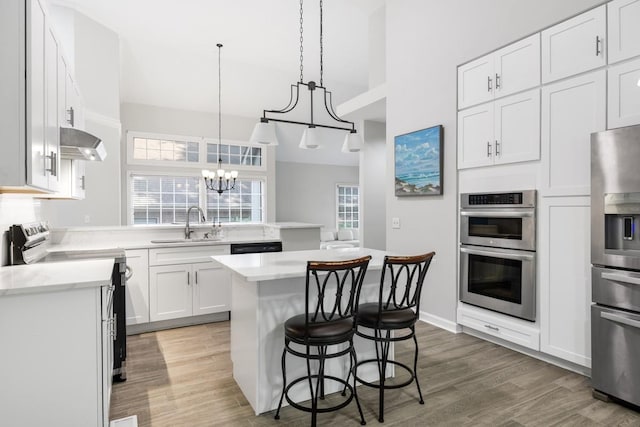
[418, 162]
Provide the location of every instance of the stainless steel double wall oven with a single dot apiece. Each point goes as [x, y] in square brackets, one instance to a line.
[497, 252]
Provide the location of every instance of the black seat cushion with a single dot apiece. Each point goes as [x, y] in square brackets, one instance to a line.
[321, 332]
[389, 319]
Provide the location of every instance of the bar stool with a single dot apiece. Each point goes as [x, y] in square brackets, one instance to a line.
[331, 292]
[397, 310]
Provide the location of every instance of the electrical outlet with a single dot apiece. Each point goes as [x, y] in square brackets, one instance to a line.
[87, 219]
[395, 222]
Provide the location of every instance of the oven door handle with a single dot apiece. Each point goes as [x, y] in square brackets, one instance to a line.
[620, 319]
[519, 257]
[621, 278]
[497, 214]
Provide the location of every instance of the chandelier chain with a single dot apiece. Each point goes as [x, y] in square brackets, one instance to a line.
[219, 104]
[321, 47]
[301, 39]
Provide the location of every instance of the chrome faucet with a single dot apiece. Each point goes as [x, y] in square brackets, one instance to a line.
[187, 228]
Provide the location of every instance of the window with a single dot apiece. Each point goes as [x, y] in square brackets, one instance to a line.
[165, 179]
[348, 206]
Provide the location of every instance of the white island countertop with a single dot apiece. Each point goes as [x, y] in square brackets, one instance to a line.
[54, 276]
[282, 265]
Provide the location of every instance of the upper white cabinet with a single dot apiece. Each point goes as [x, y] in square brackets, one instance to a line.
[624, 94]
[574, 46]
[623, 30]
[511, 69]
[504, 131]
[571, 110]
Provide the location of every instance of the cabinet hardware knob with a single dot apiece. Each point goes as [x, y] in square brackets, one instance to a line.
[488, 149]
[497, 81]
[54, 163]
[489, 87]
[71, 118]
[493, 328]
[497, 148]
[598, 50]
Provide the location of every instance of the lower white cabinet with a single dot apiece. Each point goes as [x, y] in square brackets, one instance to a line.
[624, 94]
[565, 278]
[57, 358]
[183, 288]
[137, 288]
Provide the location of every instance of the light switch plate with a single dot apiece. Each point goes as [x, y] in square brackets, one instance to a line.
[395, 222]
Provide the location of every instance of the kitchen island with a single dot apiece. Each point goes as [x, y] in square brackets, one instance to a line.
[267, 289]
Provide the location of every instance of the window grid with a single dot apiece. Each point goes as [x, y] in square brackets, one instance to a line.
[163, 199]
[242, 204]
[235, 154]
[165, 150]
[348, 207]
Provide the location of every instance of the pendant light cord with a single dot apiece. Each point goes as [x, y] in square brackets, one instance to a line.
[321, 47]
[301, 47]
[219, 107]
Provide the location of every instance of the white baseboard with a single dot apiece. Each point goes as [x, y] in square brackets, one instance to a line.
[440, 322]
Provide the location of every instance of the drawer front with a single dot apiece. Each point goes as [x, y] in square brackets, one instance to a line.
[615, 341]
[615, 288]
[524, 336]
[188, 254]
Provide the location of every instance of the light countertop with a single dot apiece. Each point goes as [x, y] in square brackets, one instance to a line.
[54, 276]
[281, 265]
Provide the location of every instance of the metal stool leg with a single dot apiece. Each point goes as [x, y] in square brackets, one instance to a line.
[354, 366]
[284, 382]
[415, 367]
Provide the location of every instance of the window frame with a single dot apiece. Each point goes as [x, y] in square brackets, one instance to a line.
[202, 152]
[202, 196]
[337, 205]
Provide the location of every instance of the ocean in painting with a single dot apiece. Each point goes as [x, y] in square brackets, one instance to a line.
[417, 162]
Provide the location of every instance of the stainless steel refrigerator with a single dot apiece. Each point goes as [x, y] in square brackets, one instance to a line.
[615, 259]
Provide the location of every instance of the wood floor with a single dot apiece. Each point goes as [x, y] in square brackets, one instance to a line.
[182, 377]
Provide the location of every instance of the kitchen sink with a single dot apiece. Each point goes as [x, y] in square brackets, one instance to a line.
[186, 240]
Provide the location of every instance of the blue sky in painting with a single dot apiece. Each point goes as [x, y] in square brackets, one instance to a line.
[417, 157]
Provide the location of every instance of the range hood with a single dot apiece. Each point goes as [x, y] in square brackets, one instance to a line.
[80, 145]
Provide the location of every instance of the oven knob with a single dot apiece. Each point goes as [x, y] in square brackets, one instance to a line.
[27, 231]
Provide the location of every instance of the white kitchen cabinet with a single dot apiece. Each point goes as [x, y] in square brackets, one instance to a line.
[137, 287]
[623, 29]
[574, 46]
[565, 278]
[184, 281]
[55, 364]
[624, 93]
[512, 69]
[211, 288]
[504, 131]
[29, 154]
[74, 104]
[571, 110]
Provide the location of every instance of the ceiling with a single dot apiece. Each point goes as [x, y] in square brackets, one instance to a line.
[169, 54]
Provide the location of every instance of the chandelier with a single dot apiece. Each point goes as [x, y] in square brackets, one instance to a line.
[265, 131]
[219, 180]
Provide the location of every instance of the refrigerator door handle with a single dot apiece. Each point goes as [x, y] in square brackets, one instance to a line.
[621, 278]
[620, 319]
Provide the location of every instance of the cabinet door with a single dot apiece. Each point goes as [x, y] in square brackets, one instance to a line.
[62, 92]
[624, 94]
[78, 180]
[475, 136]
[517, 128]
[571, 111]
[517, 66]
[36, 119]
[170, 294]
[52, 131]
[73, 99]
[475, 82]
[212, 288]
[565, 279]
[574, 46]
[137, 287]
[623, 29]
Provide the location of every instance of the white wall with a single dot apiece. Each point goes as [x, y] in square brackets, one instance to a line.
[147, 118]
[421, 92]
[373, 232]
[307, 192]
[96, 62]
[377, 54]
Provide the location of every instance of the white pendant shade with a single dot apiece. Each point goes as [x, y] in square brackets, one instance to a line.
[310, 139]
[264, 133]
[352, 143]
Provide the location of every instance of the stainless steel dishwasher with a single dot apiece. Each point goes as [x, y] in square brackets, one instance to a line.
[254, 248]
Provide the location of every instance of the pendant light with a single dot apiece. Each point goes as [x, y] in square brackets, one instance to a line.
[219, 180]
[264, 131]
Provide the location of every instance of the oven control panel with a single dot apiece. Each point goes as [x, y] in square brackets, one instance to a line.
[516, 199]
